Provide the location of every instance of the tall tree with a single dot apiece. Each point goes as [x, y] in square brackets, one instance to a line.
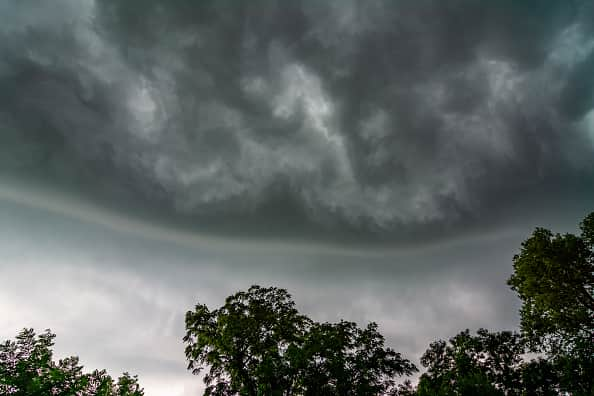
[250, 343]
[27, 368]
[343, 359]
[259, 344]
[554, 277]
[488, 363]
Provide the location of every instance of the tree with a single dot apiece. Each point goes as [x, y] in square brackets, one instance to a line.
[540, 378]
[343, 359]
[251, 343]
[575, 367]
[488, 363]
[259, 344]
[27, 369]
[485, 364]
[554, 277]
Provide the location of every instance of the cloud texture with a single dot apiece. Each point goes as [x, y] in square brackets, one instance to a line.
[374, 119]
[118, 301]
[128, 126]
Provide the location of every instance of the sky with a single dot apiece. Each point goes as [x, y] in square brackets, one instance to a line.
[381, 160]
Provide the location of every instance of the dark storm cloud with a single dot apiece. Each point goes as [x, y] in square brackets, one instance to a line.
[377, 119]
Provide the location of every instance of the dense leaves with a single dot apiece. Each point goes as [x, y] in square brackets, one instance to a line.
[488, 363]
[554, 277]
[575, 367]
[250, 344]
[258, 344]
[343, 359]
[483, 364]
[27, 368]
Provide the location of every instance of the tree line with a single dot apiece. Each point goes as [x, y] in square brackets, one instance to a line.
[258, 343]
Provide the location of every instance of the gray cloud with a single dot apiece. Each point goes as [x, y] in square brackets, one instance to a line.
[118, 300]
[375, 121]
[458, 125]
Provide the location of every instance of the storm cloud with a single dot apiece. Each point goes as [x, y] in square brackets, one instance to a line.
[376, 120]
[118, 300]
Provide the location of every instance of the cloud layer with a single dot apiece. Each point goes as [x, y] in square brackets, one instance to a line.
[376, 120]
[118, 301]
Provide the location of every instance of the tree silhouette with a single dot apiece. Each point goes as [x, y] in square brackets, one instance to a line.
[488, 363]
[27, 368]
[554, 278]
[259, 344]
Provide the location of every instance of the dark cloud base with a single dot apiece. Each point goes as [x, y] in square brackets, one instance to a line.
[344, 122]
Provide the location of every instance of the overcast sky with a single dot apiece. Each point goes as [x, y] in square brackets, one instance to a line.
[381, 160]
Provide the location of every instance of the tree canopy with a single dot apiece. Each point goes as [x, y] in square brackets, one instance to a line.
[488, 363]
[27, 368]
[554, 278]
[343, 359]
[259, 344]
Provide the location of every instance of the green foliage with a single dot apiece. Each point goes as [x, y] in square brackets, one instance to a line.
[472, 384]
[485, 364]
[540, 378]
[554, 277]
[27, 369]
[406, 388]
[258, 344]
[251, 343]
[343, 359]
[575, 367]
